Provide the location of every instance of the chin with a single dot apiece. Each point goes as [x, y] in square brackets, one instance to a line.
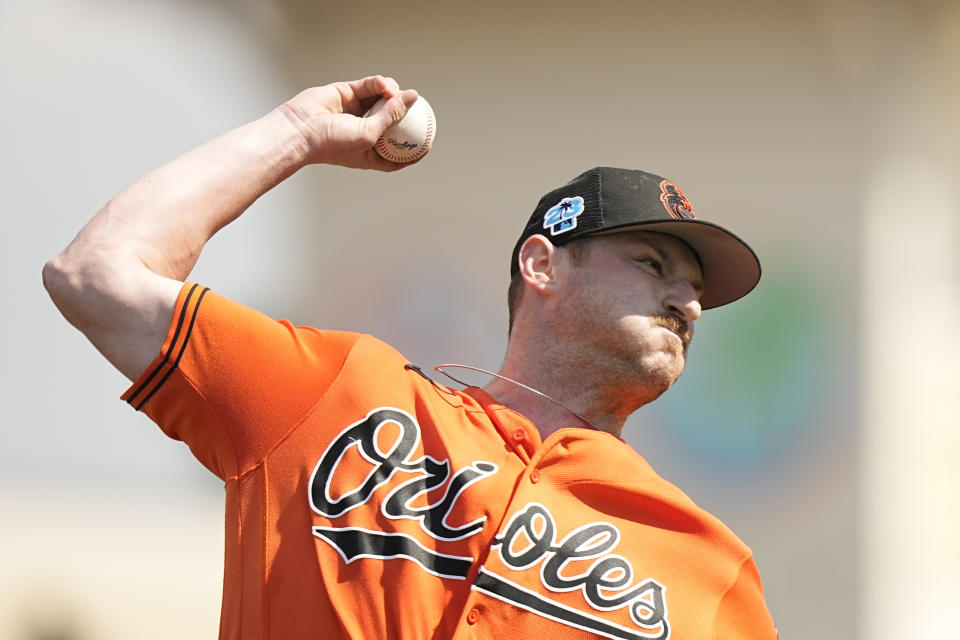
[660, 374]
[650, 367]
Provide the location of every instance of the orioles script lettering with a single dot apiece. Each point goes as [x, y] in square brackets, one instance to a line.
[382, 465]
[530, 537]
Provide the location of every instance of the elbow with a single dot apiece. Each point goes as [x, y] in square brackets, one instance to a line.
[72, 281]
[82, 281]
[55, 278]
[64, 282]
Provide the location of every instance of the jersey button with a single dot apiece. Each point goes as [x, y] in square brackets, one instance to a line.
[534, 476]
[519, 435]
[473, 616]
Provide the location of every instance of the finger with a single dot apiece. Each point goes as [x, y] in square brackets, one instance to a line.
[370, 159]
[390, 112]
[380, 164]
[369, 90]
[372, 87]
[396, 166]
[386, 165]
[402, 165]
[356, 96]
[392, 87]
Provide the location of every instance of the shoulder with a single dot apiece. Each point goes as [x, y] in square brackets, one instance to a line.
[655, 501]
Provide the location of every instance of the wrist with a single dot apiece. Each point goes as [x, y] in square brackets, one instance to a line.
[291, 124]
[280, 142]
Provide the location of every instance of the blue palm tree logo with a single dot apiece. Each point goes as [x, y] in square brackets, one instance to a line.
[562, 217]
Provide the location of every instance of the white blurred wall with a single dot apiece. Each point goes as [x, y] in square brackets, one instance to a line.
[109, 530]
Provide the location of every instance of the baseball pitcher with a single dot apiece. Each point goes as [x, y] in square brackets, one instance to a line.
[364, 499]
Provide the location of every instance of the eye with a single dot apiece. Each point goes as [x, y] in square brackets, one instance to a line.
[653, 264]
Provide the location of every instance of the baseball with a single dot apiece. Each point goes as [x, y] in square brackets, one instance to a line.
[412, 137]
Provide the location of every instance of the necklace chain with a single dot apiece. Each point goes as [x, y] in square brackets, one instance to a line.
[440, 368]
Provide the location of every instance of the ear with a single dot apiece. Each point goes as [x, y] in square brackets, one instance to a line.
[537, 258]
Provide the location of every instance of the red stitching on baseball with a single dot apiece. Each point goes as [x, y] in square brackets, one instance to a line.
[388, 153]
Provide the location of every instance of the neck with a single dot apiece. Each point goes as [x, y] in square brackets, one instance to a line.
[591, 396]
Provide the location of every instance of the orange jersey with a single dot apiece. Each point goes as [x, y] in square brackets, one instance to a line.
[366, 501]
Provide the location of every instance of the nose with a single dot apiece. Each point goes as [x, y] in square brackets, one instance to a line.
[683, 302]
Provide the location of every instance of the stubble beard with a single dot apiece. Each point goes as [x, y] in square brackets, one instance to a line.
[652, 379]
[640, 371]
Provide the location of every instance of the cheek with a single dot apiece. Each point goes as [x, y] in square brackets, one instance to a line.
[611, 298]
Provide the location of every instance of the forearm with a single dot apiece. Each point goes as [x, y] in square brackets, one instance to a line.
[163, 219]
[118, 280]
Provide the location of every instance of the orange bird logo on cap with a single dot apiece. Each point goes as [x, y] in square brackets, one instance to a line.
[674, 201]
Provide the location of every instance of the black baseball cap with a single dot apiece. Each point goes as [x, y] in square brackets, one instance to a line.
[606, 199]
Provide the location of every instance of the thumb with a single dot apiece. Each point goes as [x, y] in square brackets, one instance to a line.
[389, 112]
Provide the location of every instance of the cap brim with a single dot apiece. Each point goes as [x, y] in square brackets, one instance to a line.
[730, 267]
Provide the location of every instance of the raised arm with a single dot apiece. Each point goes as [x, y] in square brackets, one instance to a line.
[118, 280]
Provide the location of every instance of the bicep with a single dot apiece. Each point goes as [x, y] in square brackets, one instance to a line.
[122, 307]
[138, 325]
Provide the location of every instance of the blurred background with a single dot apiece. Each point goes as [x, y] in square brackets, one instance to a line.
[817, 416]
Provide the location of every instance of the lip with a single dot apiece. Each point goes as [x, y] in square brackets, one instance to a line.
[674, 335]
[669, 330]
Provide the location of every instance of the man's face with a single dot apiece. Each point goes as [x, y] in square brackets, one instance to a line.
[631, 299]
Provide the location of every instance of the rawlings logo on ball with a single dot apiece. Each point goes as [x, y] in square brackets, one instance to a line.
[412, 137]
[674, 201]
[402, 145]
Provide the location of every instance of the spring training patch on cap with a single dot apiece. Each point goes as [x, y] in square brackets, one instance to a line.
[562, 217]
[674, 201]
